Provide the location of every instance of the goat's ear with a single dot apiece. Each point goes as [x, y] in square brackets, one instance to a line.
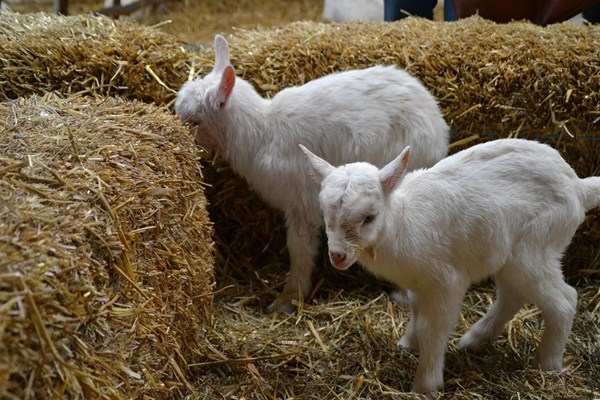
[391, 175]
[319, 167]
[221, 54]
[220, 96]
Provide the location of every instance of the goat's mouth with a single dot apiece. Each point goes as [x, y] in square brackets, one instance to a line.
[344, 264]
[197, 134]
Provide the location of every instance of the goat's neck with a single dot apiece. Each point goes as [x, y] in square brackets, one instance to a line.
[390, 254]
[395, 222]
[246, 134]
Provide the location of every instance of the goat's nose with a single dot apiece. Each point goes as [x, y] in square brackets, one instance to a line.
[337, 256]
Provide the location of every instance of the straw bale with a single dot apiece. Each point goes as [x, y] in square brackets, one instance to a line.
[106, 256]
[43, 52]
[492, 80]
[488, 77]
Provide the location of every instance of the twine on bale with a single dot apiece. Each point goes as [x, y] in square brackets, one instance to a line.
[106, 255]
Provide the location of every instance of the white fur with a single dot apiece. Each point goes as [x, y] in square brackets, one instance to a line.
[506, 208]
[366, 114]
[348, 10]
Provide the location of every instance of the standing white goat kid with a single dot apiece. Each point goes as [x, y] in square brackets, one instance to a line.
[506, 208]
[369, 114]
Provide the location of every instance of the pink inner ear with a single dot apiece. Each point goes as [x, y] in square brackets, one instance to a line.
[390, 182]
[405, 158]
[226, 85]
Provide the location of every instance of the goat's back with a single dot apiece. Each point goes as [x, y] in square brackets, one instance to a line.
[363, 115]
[483, 204]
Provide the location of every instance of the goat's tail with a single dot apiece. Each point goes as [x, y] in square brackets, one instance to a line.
[592, 192]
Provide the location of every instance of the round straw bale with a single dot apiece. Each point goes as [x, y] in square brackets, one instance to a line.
[43, 52]
[492, 80]
[106, 256]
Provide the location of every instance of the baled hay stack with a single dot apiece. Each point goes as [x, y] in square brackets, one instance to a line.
[492, 80]
[105, 250]
[501, 78]
[45, 52]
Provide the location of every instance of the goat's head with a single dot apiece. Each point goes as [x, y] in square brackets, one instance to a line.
[199, 101]
[353, 200]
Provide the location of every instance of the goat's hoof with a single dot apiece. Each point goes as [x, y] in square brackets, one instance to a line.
[547, 364]
[471, 343]
[400, 297]
[409, 344]
[284, 304]
[428, 392]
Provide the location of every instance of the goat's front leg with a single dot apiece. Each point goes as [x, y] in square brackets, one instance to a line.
[438, 311]
[400, 296]
[410, 339]
[302, 244]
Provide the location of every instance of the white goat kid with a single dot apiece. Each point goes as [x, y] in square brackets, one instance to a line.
[506, 208]
[369, 114]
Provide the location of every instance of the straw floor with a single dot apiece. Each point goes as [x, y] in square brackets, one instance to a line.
[342, 345]
[196, 22]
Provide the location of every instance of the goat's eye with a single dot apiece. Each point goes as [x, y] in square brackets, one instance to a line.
[369, 218]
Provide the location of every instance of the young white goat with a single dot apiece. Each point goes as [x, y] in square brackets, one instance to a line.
[369, 115]
[506, 208]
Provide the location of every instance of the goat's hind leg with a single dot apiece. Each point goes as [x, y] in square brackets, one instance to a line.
[538, 279]
[508, 302]
[558, 303]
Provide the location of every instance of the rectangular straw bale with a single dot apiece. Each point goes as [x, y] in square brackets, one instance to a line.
[43, 52]
[106, 255]
[492, 80]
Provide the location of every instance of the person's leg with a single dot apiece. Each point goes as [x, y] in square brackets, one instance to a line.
[420, 8]
[449, 14]
[391, 10]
